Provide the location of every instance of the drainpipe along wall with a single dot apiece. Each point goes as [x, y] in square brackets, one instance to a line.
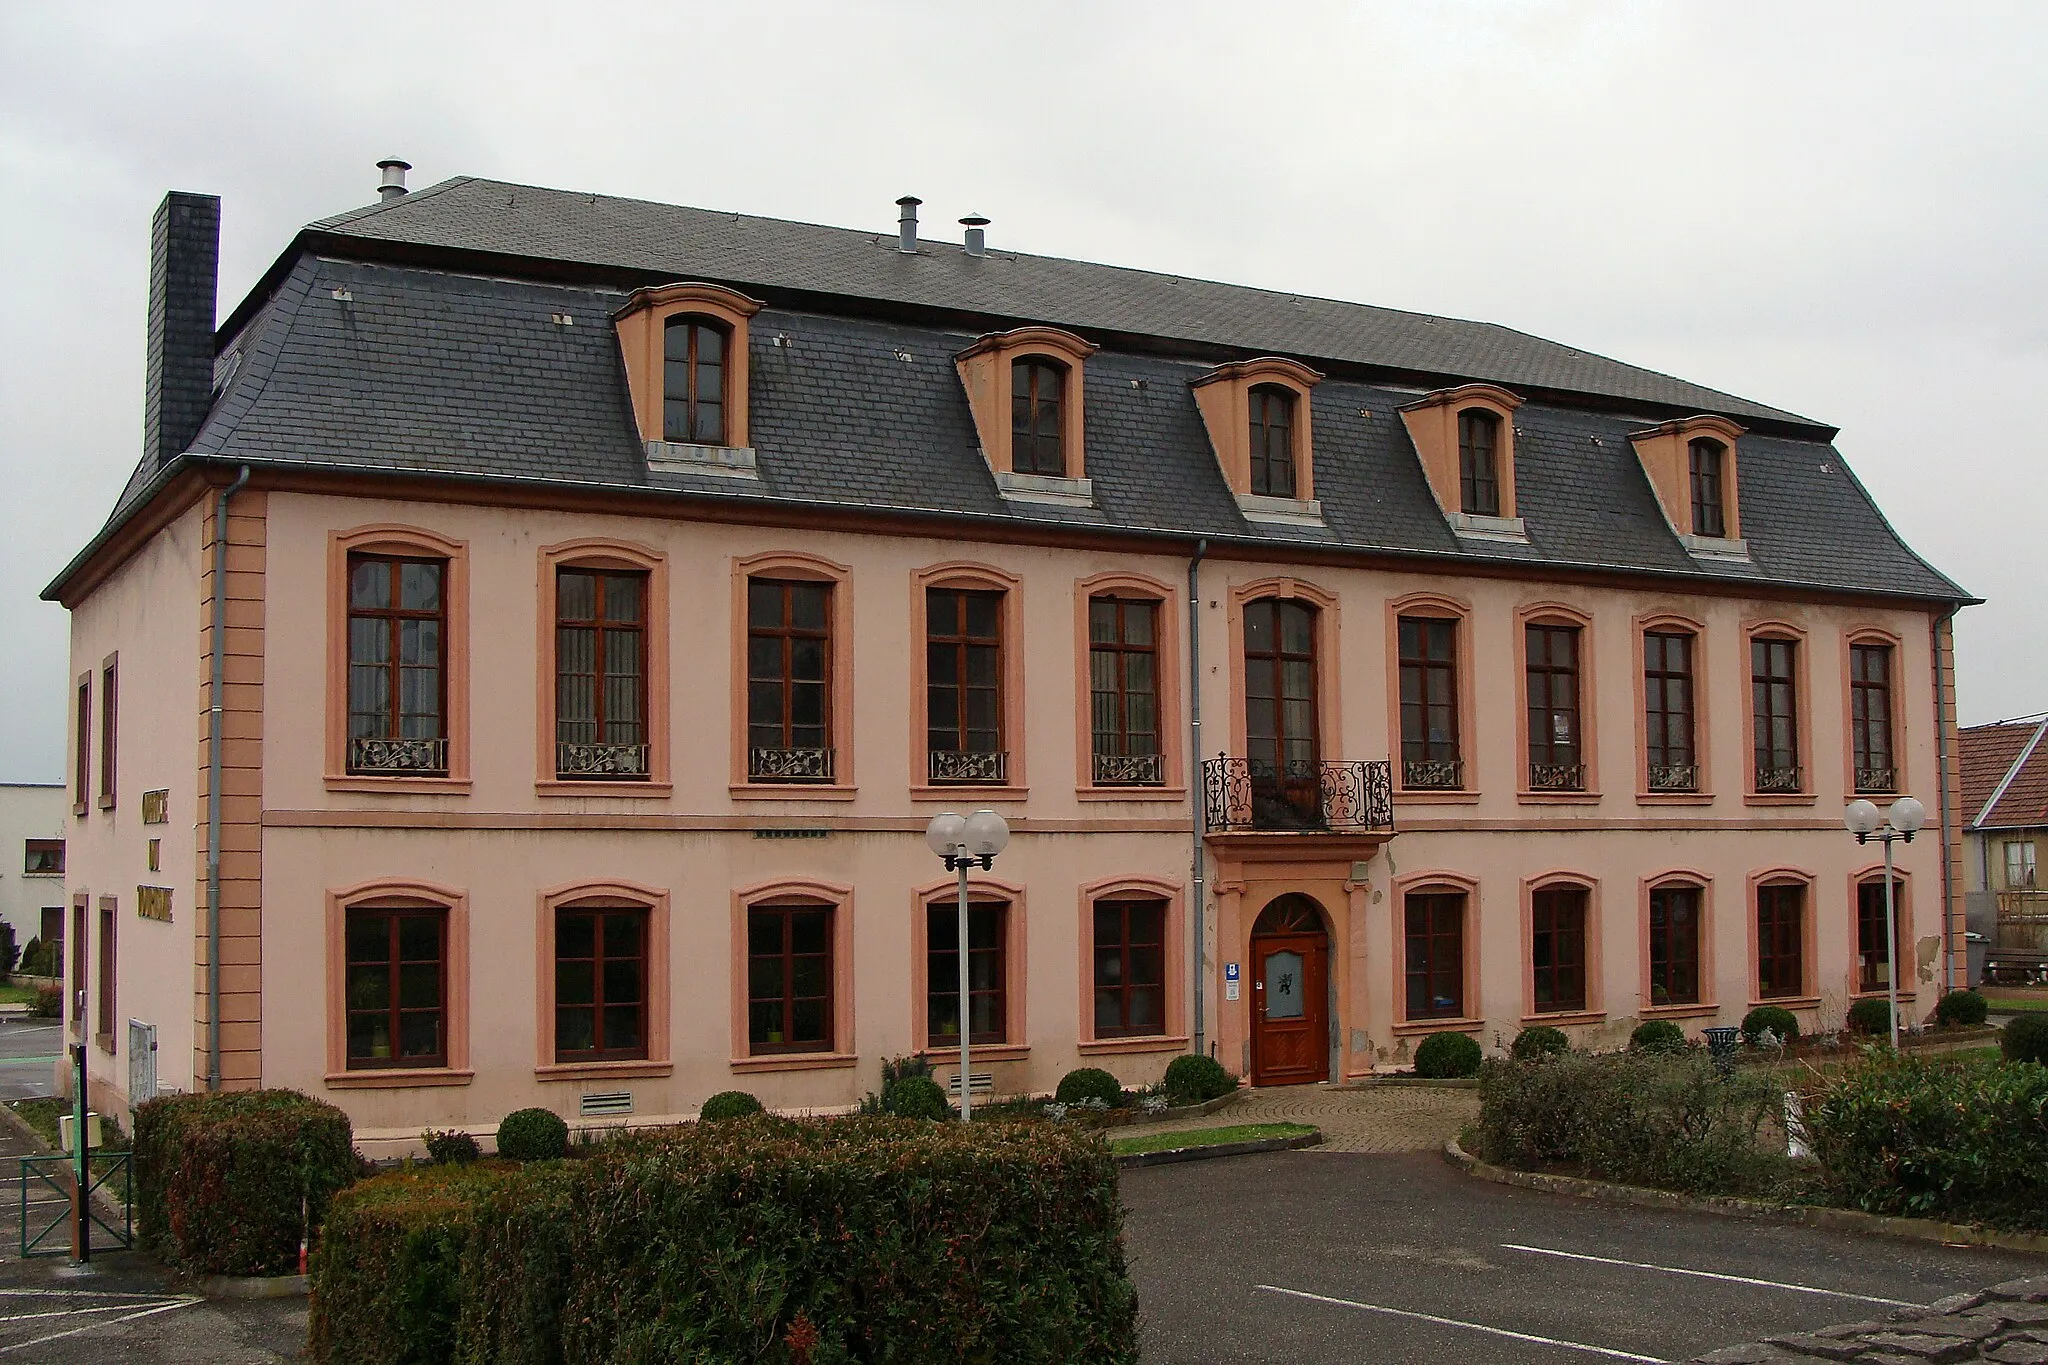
[1197, 818]
[215, 688]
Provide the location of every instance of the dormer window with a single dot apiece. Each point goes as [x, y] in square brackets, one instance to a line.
[1038, 390]
[1478, 469]
[693, 380]
[1024, 391]
[1704, 458]
[1259, 420]
[1465, 438]
[1272, 441]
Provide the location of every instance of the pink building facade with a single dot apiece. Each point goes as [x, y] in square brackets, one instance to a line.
[595, 644]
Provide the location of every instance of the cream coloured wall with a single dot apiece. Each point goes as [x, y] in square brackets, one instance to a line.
[29, 811]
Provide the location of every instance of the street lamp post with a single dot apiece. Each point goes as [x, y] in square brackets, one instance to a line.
[964, 842]
[1902, 821]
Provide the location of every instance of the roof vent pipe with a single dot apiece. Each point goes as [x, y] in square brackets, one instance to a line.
[977, 241]
[393, 184]
[906, 224]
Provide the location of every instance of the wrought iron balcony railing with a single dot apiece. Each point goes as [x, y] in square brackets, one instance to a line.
[1433, 774]
[1776, 781]
[1877, 779]
[398, 757]
[1129, 770]
[1238, 794]
[601, 762]
[961, 766]
[789, 765]
[1557, 777]
[1674, 777]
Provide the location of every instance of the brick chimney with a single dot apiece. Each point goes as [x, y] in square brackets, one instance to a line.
[184, 264]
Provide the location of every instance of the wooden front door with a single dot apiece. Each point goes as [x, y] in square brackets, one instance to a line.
[1290, 962]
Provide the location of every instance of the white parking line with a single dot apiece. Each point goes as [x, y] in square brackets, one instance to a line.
[78, 1312]
[104, 1322]
[1607, 1351]
[1712, 1275]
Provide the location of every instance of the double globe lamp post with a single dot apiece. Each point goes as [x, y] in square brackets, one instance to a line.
[963, 842]
[1902, 821]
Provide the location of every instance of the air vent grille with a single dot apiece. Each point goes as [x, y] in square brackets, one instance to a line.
[606, 1102]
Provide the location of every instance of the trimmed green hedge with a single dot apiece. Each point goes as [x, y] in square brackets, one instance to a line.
[1657, 1035]
[533, 1135]
[714, 1242]
[1089, 1083]
[2025, 1039]
[225, 1183]
[1961, 1009]
[1774, 1018]
[1537, 1041]
[1195, 1079]
[1870, 1016]
[916, 1097]
[728, 1104]
[1447, 1056]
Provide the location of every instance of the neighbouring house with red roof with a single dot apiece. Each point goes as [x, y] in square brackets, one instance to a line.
[2005, 812]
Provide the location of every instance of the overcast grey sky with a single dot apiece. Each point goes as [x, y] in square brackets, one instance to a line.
[1839, 209]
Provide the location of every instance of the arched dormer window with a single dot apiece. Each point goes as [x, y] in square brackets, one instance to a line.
[1478, 462]
[1705, 459]
[1038, 391]
[693, 374]
[1272, 435]
[1259, 420]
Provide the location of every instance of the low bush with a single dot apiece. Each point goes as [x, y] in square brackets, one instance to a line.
[49, 1002]
[1194, 1079]
[1931, 1138]
[1774, 1019]
[1538, 1041]
[1447, 1056]
[1089, 1083]
[452, 1148]
[10, 949]
[1870, 1016]
[916, 1097]
[1961, 1009]
[2025, 1039]
[1644, 1118]
[533, 1135]
[1657, 1035]
[728, 1104]
[226, 1183]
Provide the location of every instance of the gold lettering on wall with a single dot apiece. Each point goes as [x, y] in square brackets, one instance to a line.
[153, 902]
[156, 809]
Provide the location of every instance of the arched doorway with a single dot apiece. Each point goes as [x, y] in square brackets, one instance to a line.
[1290, 960]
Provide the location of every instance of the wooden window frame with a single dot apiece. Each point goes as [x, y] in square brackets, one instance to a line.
[1706, 459]
[604, 895]
[596, 554]
[1262, 403]
[1172, 1034]
[1536, 893]
[810, 894]
[394, 540]
[986, 374]
[1010, 678]
[110, 720]
[1436, 883]
[81, 938]
[1773, 879]
[1033, 370]
[1329, 713]
[1429, 606]
[1124, 988]
[1433, 423]
[1665, 454]
[602, 627]
[642, 326]
[942, 896]
[81, 753]
[941, 978]
[1223, 398]
[2024, 866]
[601, 960]
[400, 895]
[1130, 587]
[795, 566]
[29, 849]
[1793, 714]
[1117, 741]
[1861, 777]
[1871, 879]
[1701, 891]
[1424, 665]
[1479, 488]
[392, 619]
[788, 634]
[393, 963]
[1701, 686]
[1552, 615]
[106, 996]
[1661, 717]
[693, 325]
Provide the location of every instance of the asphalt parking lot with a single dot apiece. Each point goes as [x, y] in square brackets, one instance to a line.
[1300, 1258]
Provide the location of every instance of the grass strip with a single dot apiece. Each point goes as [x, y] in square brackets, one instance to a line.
[12, 993]
[2017, 1004]
[1206, 1137]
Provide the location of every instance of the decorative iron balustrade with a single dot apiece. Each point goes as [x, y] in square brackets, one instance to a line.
[400, 756]
[1674, 777]
[1433, 774]
[1238, 794]
[1877, 779]
[790, 765]
[1557, 777]
[1776, 781]
[625, 761]
[1129, 770]
[956, 765]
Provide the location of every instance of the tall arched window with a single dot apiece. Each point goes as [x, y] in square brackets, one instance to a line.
[1038, 391]
[1709, 506]
[693, 380]
[1478, 463]
[1280, 710]
[1272, 418]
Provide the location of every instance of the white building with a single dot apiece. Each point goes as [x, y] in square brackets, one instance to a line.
[32, 818]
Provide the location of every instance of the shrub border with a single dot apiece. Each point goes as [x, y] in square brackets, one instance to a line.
[1731, 1206]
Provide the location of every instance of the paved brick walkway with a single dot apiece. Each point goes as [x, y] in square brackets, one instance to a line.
[1367, 1118]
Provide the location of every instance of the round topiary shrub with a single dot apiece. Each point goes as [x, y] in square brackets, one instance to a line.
[728, 1104]
[532, 1135]
[1870, 1016]
[452, 1148]
[1657, 1035]
[1195, 1079]
[1538, 1041]
[1089, 1083]
[1961, 1009]
[2025, 1039]
[1775, 1018]
[1445, 1056]
[916, 1097]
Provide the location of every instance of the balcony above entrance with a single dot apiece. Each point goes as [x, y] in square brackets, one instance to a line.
[1305, 797]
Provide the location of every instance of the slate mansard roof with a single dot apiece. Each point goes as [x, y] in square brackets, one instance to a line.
[420, 336]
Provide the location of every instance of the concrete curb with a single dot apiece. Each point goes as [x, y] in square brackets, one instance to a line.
[253, 1286]
[1196, 1111]
[1251, 1147]
[1809, 1215]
